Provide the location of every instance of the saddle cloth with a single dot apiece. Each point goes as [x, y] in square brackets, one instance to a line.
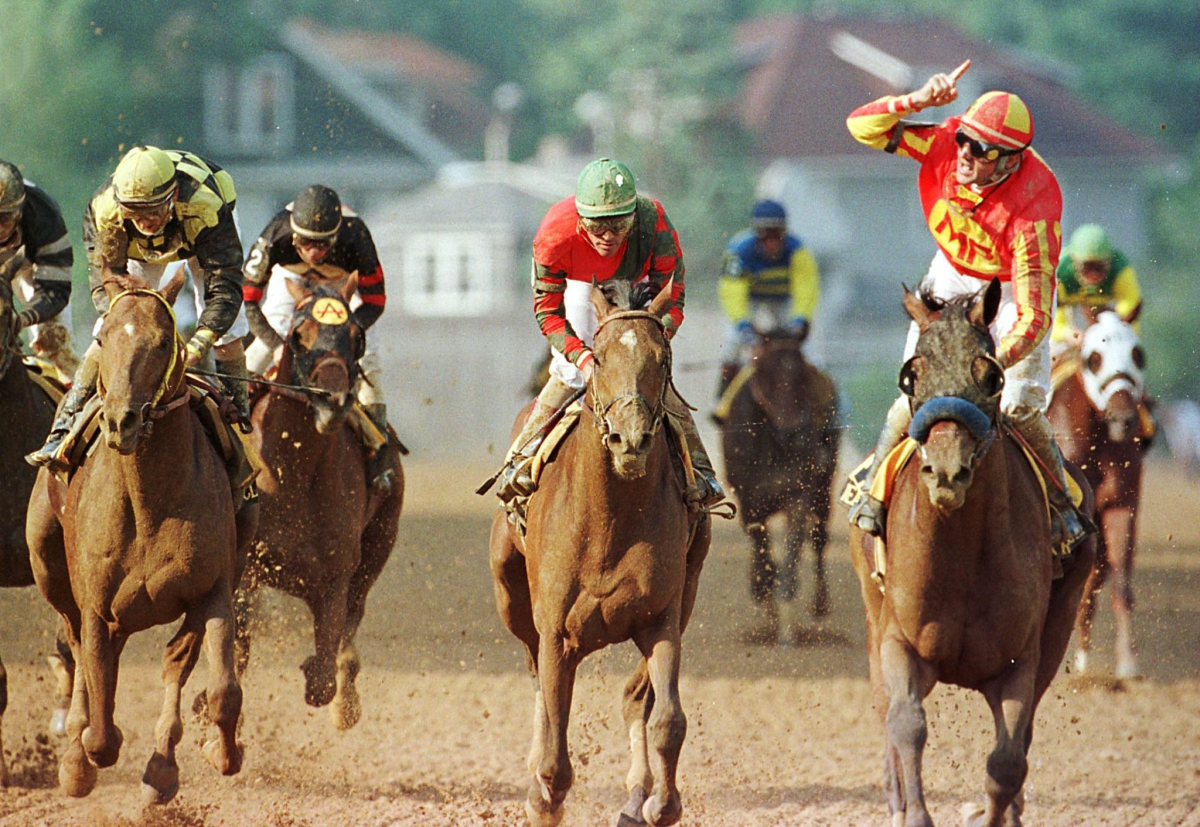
[721, 412]
[883, 486]
[242, 460]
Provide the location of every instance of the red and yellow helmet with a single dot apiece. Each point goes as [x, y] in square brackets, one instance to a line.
[1001, 119]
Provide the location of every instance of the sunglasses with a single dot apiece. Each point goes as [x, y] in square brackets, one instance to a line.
[980, 150]
[615, 224]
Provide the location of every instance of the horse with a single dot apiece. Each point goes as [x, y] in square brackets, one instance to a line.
[780, 441]
[968, 594]
[324, 535]
[146, 530]
[612, 553]
[28, 410]
[1096, 419]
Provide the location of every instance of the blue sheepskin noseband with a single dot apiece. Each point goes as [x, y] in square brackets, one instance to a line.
[940, 408]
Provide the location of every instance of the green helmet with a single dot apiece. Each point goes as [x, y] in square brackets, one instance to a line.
[1090, 243]
[144, 177]
[12, 188]
[605, 188]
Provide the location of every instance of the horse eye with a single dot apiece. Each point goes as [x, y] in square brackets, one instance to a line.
[1094, 362]
[987, 376]
[1139, 357]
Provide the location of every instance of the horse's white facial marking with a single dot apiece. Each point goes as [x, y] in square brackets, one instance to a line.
[629, 339]
[129, 328]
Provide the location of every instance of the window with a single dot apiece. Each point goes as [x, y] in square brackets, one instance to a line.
[449, 273]
[250, 109]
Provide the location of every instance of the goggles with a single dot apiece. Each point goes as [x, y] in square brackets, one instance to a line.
[160, 210]
[311, 243]
[615, 224]
[982, 151]
[768, 233]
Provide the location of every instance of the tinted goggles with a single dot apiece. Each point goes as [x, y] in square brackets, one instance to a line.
[617, 224]
[312, 243]
[982, 151]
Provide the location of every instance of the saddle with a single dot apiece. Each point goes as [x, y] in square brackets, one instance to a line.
[46, 376]
[884, 485]
[242, 460]
[677, 446]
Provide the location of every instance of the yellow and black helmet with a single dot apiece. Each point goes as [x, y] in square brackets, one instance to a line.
[145, 177]
[316, 213]
[12, 188]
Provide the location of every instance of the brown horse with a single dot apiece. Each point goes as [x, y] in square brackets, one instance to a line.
[28, 411]
[611, 554]
[324, 534]
[1095, 414]
[780, 440]
[968, 596]
[145, 531]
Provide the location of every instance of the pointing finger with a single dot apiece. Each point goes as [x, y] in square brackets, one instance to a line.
[961, 70]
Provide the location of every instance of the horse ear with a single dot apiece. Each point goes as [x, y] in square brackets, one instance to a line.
[171, 291]
[658, 305]
[916, 308]
[983, 311]
[600, 302]
[349, 286]
[298, 292]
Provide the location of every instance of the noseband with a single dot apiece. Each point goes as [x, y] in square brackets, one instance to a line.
[305, 391]
[155, 409]
[600, 410]
[954, 408]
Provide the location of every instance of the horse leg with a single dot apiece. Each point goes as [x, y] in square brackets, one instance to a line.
[1119, 529]
[907, 680]
[637, 701]
[62, 666]
[3, 709]
[224, 694]
[765, 628]
[554, 775]
[160, 781]
[101, 738]
[329, 619]
[818, 536]
[787, 580]
[1086, 616]
[76, 775]
[1012, 699]
[667, 725]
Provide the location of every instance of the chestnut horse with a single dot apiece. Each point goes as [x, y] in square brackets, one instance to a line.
[1098, 426]
[968, 596]
[324, 534]
[28, 411]
[780, 441]
[145, 531]
[612, 553]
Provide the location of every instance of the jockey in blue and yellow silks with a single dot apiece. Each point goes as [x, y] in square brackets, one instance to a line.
[768, 272]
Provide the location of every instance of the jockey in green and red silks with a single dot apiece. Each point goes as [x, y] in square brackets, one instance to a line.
[605, 231]
[994, 208]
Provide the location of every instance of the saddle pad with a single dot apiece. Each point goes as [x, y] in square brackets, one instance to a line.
[721, 412]
[46, 376]
[558, 433]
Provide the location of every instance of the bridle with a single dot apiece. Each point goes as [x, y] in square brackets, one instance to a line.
[302, 391]
[599, 411]
[756, 392]
[156, 409]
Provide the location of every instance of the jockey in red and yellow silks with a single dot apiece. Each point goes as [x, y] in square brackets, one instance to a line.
[994, 208]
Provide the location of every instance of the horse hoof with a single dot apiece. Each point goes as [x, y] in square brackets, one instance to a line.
[661, 811]
[58, 723]
[1080, 661]
[102, 752]
[226, 762]
[345, 712]
[820, 604]
[160, 781]
[540, 814]
[319, 684]
[631, 815]
[76, 775]
[973, 814]
[1127, 669]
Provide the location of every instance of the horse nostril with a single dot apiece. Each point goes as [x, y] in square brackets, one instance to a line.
[962, 477]
[927, 469]
[613, 440]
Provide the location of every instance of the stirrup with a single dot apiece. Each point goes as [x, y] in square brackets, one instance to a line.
[868, 514]
[1070, 527]
[47, 455]
[706, 493]
[516, 479]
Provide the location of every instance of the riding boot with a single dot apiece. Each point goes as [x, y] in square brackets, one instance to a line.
[516, 478]
[233, 383]
[68, 411]
[728, 371]
[1068, 525]
[866, 512]
[707, 490]
[380, 470]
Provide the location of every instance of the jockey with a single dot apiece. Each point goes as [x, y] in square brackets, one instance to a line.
[994, 207]
[606, 231]
[767, 271]
[32, 228]
[1092, 274]
[317, 237]
[159, 207]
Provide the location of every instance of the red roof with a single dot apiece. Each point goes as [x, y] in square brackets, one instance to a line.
[798, 91]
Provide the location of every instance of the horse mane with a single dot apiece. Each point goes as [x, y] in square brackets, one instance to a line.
[955, 305]
[625, 295]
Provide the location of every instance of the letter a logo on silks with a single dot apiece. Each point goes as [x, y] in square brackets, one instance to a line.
[328, 310]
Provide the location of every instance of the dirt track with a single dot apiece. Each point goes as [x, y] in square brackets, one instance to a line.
[776, 736]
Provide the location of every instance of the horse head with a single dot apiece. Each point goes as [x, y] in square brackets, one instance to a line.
[141, 363]
[778, 384]
[953, 382]
[632, 371]
[323, 348]
[1113, 378]
[8, 314]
